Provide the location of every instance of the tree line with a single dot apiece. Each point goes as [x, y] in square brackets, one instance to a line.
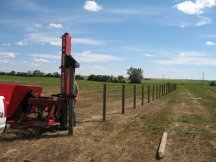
[107, 78]
[35, 73]
[135, 76]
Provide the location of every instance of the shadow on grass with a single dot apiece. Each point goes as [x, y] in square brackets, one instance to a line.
[33, 133]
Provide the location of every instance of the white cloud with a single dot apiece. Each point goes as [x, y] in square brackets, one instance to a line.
[189, 58]
[46, 56]
[92, 6]
[188, 61]
[4, 61]
[136, 11]
[10, 55]
[35, 65]
[209, 43]
[41, 60]
[195, 8]
[196, 21]
[6, 44]
[182, 54]
[191, 54]
[19, 43]
[203, 21]
[210, 36]
[148, 55]
[126, 11]
[6, 57]
[53, 25]
[140, 51]
[86, 41]
[189, 7]
[96, 67]
[24, 62]
[87, 56]
[206, 3]
[38, 25]
[33, 28]
[22, 42]
[24, 5]
[44, 38]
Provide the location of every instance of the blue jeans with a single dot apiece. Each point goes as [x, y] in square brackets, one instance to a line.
[74, 111]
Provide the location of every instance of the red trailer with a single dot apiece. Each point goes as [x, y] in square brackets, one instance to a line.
[24, 106]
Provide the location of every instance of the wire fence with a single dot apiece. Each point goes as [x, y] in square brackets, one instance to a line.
[96, 102]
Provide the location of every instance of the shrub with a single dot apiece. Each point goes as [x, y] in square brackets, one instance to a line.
[135, 75]
[212, 83]
[79, 77]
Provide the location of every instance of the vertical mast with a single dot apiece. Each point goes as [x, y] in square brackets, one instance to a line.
[66, 50]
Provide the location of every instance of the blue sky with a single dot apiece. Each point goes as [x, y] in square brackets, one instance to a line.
[171, 38]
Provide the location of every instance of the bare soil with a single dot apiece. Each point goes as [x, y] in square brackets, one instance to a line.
[133, 136]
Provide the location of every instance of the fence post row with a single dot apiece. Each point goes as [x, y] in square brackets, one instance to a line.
[161, 90]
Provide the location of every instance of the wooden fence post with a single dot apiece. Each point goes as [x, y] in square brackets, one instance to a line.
[162, 89]
[142, 95]
[165, 86]
[148, 93]
[157, 92]
[165, 89]
[70, 104]
[153, 93]
[104, 102]
[123, 99]
[168, 89]
[134, 96]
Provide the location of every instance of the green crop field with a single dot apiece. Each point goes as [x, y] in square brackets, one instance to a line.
[188, 115]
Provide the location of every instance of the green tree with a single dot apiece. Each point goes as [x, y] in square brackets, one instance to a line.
[121, 79]
[212, 83]
[135, 75]
[12, 73]
[38, 73]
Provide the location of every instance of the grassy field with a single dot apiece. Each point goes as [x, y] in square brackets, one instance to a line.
[187, 114]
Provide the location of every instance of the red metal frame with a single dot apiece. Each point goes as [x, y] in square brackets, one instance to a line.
[14, 94]
[22, 110]
[65, 75]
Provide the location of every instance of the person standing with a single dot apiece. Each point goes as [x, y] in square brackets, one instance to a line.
[76, 94]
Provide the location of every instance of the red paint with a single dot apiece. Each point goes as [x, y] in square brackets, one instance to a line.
[14, 95]
[65, 75]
